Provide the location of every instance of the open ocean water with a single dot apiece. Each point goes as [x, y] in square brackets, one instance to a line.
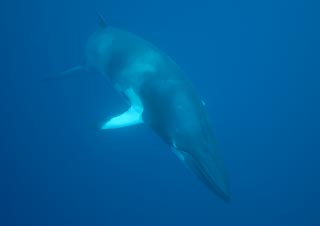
[255, 64]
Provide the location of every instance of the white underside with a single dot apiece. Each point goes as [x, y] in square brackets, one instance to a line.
[131, 117]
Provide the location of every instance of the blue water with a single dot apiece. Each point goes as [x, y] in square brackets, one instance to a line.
[256, 65]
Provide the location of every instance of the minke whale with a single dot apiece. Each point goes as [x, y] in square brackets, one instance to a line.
[160, 96]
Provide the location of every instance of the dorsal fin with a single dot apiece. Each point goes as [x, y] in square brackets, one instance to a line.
[102, 21]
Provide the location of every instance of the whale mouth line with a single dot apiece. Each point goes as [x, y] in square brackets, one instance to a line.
[200, 169]
[222, 191]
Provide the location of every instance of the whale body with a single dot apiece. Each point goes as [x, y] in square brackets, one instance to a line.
[161, 96]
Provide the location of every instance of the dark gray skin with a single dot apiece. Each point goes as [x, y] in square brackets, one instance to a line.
[171, 106]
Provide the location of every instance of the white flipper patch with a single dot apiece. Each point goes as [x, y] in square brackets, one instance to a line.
[131, 117]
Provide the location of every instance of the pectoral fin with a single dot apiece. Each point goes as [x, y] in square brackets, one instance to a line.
[132, 116]
[128, 118]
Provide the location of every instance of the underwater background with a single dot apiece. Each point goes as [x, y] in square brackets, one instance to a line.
[255, 64]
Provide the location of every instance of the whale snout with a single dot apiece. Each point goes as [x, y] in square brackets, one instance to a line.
[206, 163]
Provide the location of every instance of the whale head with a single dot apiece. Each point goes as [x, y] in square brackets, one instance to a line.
[183, 122]
[196, 147]
[204, 161]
